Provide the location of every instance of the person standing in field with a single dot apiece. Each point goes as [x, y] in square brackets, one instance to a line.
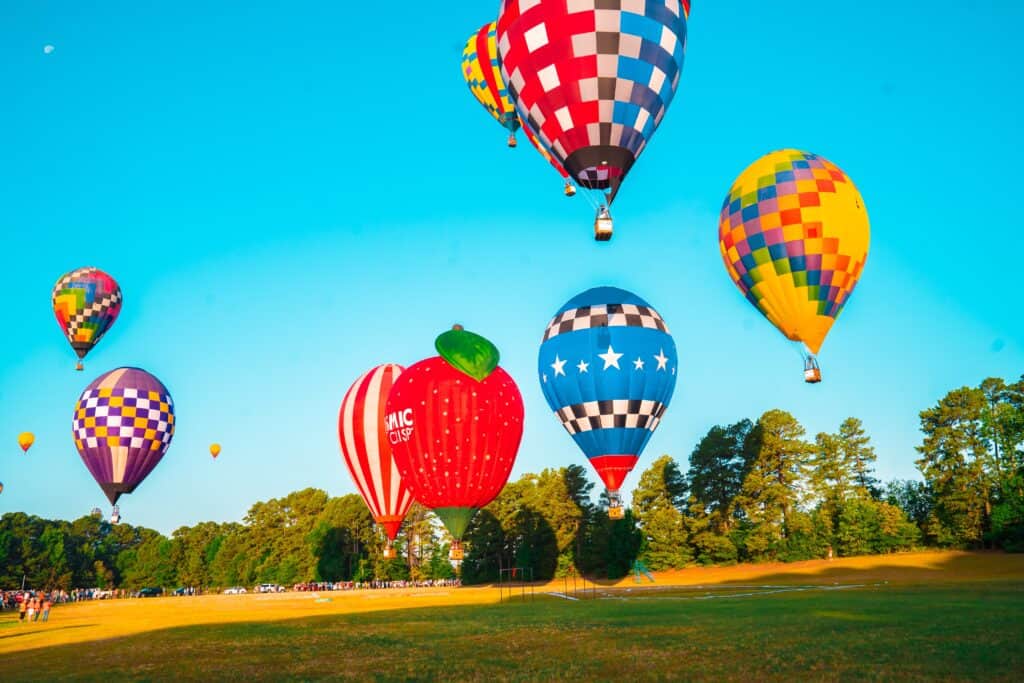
[22, 608]
[46, 608]
[31, 609]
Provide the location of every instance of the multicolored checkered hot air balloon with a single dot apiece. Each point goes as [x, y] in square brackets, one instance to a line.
[488, 87]
[455, 422]
[122, 426]
[482, 70]
[367, 451]
[86, 302]
[593, 79]
[607, 367]
[794, 237]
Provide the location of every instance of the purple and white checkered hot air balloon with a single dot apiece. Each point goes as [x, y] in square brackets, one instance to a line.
[122, 426]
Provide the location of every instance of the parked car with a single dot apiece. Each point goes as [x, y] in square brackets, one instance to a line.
[269, 588]
[234, 590]
[180, 591]
[151, 592]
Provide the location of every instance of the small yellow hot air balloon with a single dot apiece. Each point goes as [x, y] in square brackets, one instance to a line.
[794, 237]
[25, 440]
[214, 450]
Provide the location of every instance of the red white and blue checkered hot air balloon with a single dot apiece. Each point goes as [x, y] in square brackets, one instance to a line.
[122, 426]
[607, 367]
[593, 79]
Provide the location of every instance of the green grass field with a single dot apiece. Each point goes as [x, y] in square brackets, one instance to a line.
[970, 629]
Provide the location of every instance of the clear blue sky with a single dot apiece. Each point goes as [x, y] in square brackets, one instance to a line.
[290, 193]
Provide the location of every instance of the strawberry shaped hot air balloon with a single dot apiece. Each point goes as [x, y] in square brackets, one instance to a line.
[367, 451]
[455, 422]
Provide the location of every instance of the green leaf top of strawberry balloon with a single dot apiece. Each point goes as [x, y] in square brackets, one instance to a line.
[468, 352]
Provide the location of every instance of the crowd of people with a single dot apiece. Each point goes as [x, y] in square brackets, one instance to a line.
[362, 585]
[33, 605]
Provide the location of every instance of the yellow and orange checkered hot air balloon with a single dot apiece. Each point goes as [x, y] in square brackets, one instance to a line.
[25, 440]
[794, 236]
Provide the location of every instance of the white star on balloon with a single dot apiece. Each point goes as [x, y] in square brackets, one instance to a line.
[662, 360]
[611, 359]
[638, 364]
[582, 367]
[558, 366]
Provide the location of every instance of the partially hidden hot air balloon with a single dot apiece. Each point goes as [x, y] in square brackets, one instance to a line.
[367, 451]
[569, 189]
[214, 450]
[481, 67]
[482, 70]
[25, 440]
[122, 426]
[794, 236]
[455, 422]
[607, 367]
[86, 302]
[1, 487]
[594, 81]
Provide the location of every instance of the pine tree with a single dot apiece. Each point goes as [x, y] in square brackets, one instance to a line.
[774, 483]
[953, 460]
[655, 499]
[718, 465]
[858, 457]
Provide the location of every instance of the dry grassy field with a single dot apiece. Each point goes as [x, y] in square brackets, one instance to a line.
[908, 616]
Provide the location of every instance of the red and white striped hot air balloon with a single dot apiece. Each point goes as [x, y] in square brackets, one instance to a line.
[367, 451]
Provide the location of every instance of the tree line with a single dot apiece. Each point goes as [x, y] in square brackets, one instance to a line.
[751, 491]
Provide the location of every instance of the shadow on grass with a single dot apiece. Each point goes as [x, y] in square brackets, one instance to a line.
[31, 630]
[893, 633]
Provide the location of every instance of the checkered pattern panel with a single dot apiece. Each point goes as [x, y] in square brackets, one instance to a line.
[124, 417]
[481, 67]
[605, 315]
[584, 417]
[532, 137]
[780, 222]
[86, 302]
[592, 73]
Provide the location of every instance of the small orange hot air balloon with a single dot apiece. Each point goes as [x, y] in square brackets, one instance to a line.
[214, 450]
[25, 440]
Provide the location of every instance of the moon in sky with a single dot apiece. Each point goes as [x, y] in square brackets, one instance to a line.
[48, 49]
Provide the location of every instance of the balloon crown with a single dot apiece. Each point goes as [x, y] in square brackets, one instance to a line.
[468, 352]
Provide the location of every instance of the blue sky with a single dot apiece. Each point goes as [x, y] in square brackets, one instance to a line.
[290, 193]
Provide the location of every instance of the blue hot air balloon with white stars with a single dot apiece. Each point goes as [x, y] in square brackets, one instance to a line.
[608, 367]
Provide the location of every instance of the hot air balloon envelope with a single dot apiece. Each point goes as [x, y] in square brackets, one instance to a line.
[454, 437]
[86, 302]
[793, 234]
[607, 367]
[367, 452]
[25, 440]
[122, 426]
